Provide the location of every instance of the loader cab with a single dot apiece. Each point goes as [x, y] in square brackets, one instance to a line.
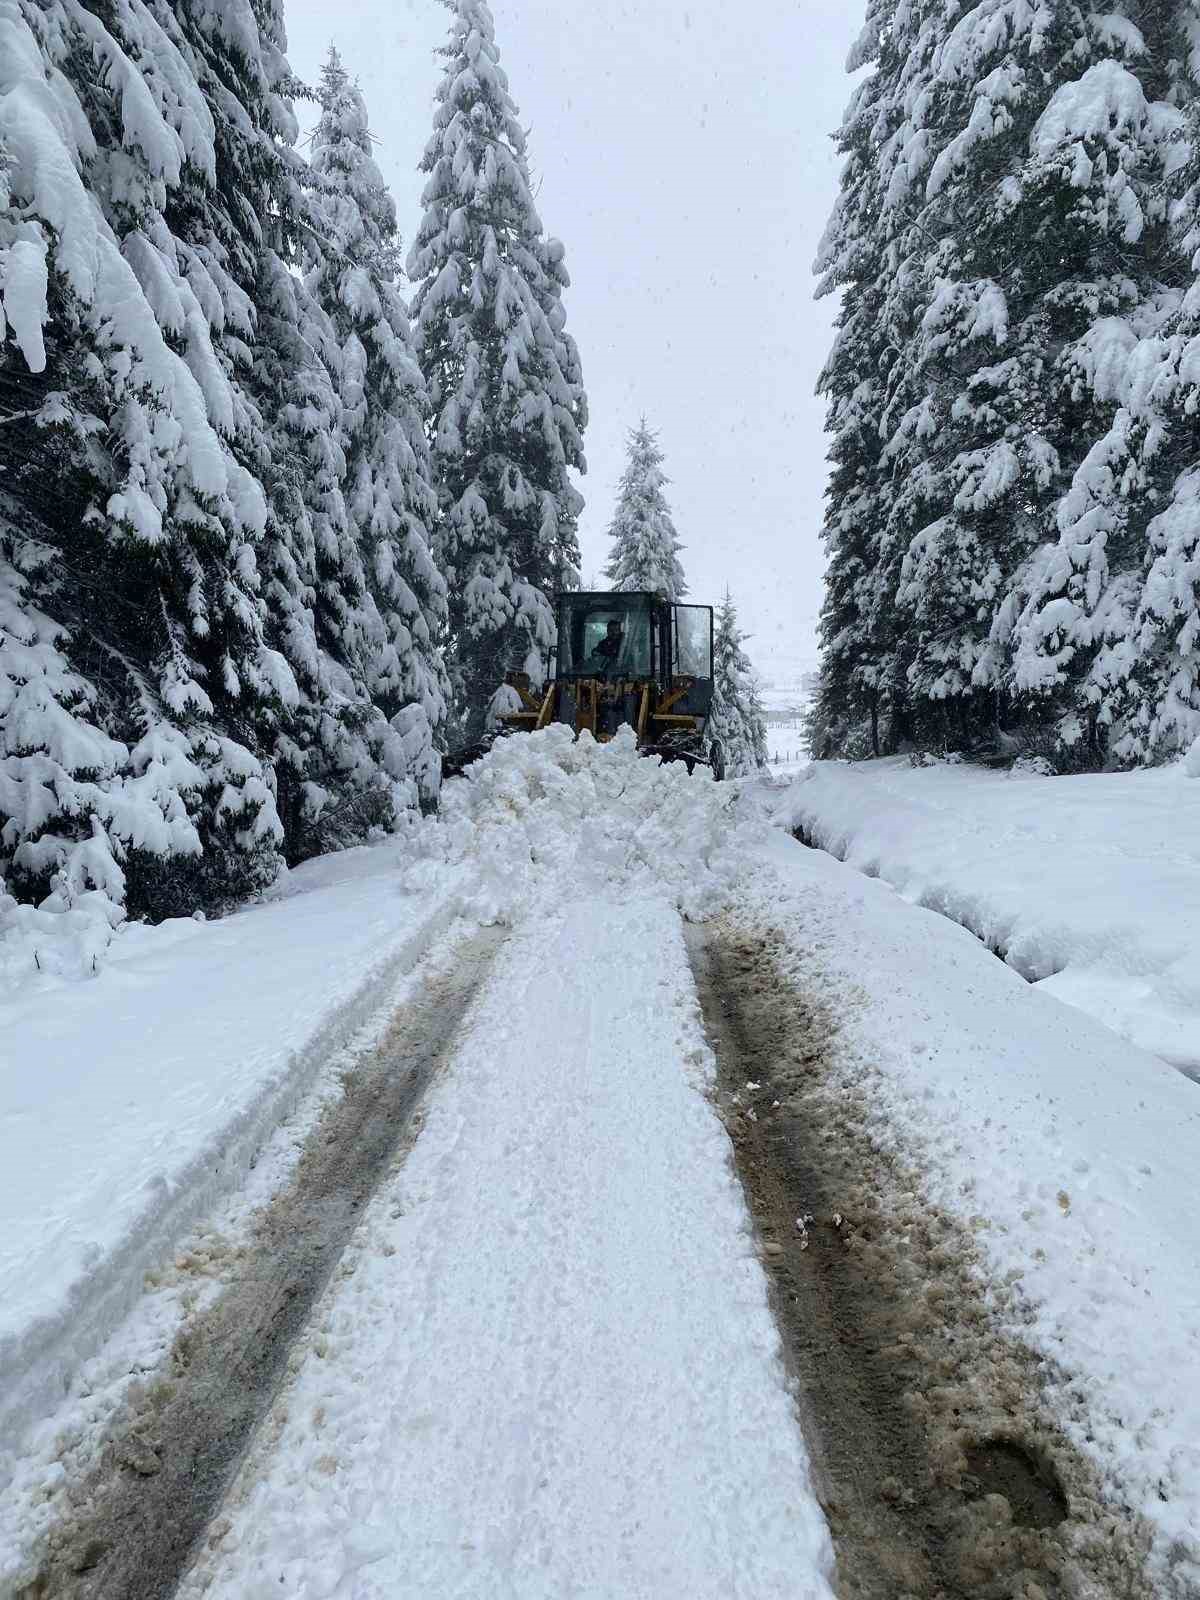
[637, 638]
[633, 660]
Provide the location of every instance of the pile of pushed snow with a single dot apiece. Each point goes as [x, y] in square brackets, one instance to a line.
[546, 813]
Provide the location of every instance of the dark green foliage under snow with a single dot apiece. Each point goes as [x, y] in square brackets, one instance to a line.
[219, 614]
[1011, 392]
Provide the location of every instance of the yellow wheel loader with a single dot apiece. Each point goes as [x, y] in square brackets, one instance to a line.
[629, 658]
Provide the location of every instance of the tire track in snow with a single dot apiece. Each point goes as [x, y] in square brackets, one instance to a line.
[940, 1469]
[133, 1524]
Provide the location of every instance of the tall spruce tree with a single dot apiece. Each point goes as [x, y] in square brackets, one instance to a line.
[1107, 635]
[503, 375]
[390, 495]
[645, 547]
[339, 767]
[737, 720]
[1102, 154]
[1159, 667]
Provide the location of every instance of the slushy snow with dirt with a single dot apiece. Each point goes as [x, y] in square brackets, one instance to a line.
[548, 1364]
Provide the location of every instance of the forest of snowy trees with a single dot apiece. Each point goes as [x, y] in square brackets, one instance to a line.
[1014, 512]
[263, 542]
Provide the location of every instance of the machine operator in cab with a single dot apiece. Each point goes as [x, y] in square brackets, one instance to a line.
[603, 658]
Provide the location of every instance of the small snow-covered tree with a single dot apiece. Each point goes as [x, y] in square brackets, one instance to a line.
[645, 547]
[737, 720]
[391, 500]
[504, 377]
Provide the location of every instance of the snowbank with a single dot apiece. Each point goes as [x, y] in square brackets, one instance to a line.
[1071, 1153]
[131, 1100]
[1087, 886]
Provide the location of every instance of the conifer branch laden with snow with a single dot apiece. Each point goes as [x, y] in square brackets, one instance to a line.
[128, 757]
[645, 548]
[503, 375]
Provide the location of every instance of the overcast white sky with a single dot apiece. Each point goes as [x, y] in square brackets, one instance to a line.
[682, 154]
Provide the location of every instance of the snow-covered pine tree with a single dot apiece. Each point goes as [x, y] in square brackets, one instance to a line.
[503, 375]
[1021, 155]
[1156, 668]
[390, 495]
[330, 746]
[737, 720]
[645, 546]
[1050, 209]
[124, 513]
[861, 702]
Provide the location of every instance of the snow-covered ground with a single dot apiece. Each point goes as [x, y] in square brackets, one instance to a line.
[1088, 886]
[552, 1369]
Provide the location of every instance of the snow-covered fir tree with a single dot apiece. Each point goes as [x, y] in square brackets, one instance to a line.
[861, 702]
[339, 765]
[276, 346]
[645, 546]
[1003, 245]
[1093, 194]
[1158, 667]
[390, 496]
[503, 374]
[1108, 632]
[127, 523]
[737, 720]
[199, 633]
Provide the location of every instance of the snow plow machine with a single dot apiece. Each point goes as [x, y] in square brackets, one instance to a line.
[628, 658]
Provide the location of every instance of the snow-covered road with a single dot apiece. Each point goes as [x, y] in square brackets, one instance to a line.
[553, 1370]
[547, 1364]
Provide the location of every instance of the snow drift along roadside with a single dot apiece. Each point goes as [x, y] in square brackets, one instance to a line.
[132, 1101]
[1088, 886]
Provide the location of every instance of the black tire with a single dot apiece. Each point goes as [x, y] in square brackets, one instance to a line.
[716, 760]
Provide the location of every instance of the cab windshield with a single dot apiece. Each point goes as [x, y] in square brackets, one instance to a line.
[602, 639]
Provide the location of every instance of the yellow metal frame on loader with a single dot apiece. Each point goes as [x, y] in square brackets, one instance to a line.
[589, 692]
